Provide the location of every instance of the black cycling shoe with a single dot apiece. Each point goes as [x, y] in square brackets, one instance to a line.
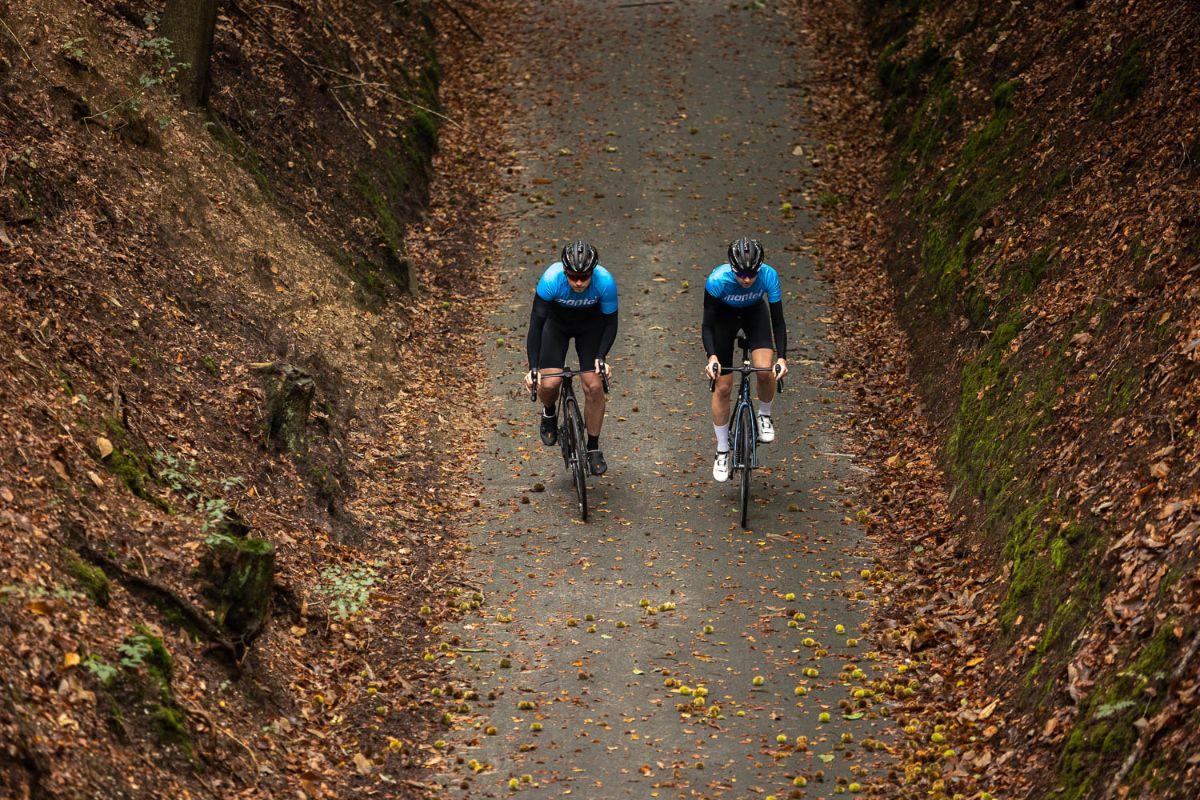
[596, 462]
[549, 430]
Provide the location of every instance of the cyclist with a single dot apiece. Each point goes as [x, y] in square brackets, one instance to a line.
[576, 298]
[733, 301]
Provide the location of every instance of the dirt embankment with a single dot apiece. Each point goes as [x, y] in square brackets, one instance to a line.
[224, 419]
[1032, 365]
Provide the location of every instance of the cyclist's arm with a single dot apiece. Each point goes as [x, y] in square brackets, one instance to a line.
[608, 335]
[779, 327]
[537, 321]
[708, 325]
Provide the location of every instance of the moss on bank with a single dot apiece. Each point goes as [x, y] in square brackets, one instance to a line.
[1105, 729]
[969, 177]
[91, 579]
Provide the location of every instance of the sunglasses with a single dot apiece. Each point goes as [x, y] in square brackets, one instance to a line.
[745, 275]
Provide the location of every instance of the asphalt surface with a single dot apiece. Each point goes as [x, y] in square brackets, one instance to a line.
[659, 133]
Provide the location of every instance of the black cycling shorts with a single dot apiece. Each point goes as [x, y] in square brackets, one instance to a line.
[754, 321]
[556, 339]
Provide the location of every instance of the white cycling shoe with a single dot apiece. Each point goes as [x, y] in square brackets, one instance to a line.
[766, 429]
[721, 467]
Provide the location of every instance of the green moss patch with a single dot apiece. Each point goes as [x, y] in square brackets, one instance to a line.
[91, 579]
[1125, 86]
[130, 468]
[170, 723]
[1104, 731]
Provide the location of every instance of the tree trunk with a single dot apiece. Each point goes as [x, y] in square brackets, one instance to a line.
[189, 24]
[240, 573]
[289, 391]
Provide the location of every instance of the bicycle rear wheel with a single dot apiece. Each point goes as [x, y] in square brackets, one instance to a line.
[745, 445]
[579, 455]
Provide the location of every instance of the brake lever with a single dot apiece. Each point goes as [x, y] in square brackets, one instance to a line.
[533, 389]
[604, 375]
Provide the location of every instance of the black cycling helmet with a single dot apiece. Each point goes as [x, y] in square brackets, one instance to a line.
[579, 257]
[745, 256]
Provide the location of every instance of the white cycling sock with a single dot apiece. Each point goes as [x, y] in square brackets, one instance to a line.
[722, 432]
[764, 408]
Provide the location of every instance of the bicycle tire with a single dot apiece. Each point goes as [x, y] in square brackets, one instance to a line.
[580, 466]
[745, 443]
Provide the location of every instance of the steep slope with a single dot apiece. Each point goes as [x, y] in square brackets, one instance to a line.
[223, 397]
[1035, 214]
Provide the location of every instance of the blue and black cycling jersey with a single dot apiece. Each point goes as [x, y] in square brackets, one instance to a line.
[573, 314]
[600, 295]
[723, 285]
[729, 307]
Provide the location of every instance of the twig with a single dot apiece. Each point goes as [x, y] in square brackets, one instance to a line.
[466, 583]
[414, 104]
[646, 3]
[135, 96]
[21, 45]
[461, 18]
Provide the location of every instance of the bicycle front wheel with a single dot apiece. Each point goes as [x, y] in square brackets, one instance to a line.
[745, 444]
[580, 465]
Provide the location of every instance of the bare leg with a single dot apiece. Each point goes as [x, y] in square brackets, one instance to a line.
[762, 358]
[547, 389]
[593, 409]
[721, 400]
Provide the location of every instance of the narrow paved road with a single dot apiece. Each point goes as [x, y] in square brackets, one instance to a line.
[659, 134]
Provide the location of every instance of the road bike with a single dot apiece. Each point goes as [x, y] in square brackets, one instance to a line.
[743, 439]
[572, 435]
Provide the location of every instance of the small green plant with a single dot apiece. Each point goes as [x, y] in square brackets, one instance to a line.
[29, 592]
[212, 511]
[229, 482]
[164, 70]
[180, 476]
[100, 669]
[179, 473]
[348, 590]
[63, 593]
[166, 67]
[134, 651]
[143, 648]
[1111, 709]
[23, 157]
[73, 48]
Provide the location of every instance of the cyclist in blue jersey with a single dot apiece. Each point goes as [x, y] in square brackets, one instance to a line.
[733, 301]
[576, 298]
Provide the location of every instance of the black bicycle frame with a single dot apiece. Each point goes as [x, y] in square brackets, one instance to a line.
[576, 461]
